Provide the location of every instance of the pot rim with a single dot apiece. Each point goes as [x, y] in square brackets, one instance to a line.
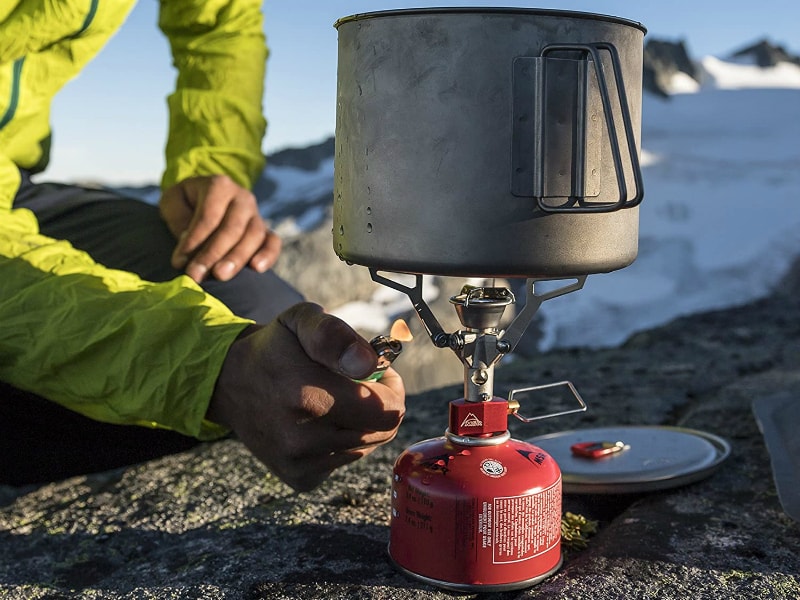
[545, 12]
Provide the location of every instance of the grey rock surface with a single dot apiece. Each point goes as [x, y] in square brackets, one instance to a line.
[210, 523]
[307, 159]
[326, 279]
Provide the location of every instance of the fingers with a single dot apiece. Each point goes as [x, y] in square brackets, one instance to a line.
[225, 231]
[308, 475]
[373, 408]
[210, 197]
[231, 247]
[329, 341]
[343, 406]
[267, 254]
[305, 454]
[176, 212]
[337, 441]
[305, 471]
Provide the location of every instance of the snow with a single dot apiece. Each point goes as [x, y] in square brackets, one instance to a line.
[719, 226]
[681, 83]
[298, 185]
[381, 310]
[737, 74]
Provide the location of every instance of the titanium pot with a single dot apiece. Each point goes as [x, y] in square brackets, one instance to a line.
[488, 142]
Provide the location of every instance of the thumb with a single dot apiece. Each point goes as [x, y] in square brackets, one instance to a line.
[175, 209]
[330, 341]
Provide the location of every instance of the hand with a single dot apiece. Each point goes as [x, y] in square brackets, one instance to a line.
[287, 390]
[218, 227]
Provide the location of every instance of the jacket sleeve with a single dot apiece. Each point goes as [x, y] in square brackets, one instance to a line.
[216, 121]
[105, 343]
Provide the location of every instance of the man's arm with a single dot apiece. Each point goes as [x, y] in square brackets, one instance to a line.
[216, 122]
[214, 146]
[103, 342]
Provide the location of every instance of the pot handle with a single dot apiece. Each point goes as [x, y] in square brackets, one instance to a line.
[593, 51]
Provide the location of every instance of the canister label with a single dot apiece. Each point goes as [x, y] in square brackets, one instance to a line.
[523, 527]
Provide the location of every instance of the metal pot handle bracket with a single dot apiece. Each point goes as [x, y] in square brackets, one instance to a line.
[535, 147]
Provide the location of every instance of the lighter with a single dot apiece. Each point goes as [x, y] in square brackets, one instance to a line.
[389, 347]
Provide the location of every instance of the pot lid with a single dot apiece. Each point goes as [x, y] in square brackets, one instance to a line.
[632, 459]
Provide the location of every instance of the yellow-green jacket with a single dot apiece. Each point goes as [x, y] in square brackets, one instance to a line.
[102, 342]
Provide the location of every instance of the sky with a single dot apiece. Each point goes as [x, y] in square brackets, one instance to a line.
[110, 122]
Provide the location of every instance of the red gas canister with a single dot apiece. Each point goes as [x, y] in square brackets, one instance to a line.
[477, 512]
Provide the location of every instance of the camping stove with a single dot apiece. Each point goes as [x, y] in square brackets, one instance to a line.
[475, 510]
[485, 143]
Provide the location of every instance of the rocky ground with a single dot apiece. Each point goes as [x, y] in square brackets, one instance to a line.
[210, 523]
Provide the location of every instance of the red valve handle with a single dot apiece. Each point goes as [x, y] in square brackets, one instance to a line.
[597, 449]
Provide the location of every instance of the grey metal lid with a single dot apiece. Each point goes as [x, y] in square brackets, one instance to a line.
[637, 458]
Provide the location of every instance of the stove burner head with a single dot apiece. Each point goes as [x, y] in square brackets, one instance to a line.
[481, 308]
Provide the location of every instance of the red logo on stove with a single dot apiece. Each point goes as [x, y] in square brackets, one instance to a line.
[471, 421]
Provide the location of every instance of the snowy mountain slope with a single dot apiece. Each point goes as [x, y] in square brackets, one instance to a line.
[669, 70]
[742, 74]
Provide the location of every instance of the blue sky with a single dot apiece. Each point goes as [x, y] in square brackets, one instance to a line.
[110, 123]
